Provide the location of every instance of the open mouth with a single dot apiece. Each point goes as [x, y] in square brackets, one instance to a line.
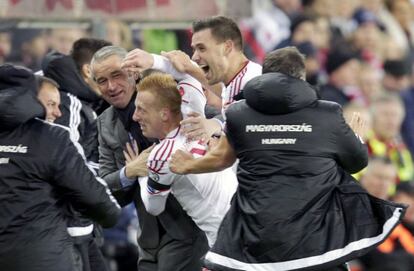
[205, 68]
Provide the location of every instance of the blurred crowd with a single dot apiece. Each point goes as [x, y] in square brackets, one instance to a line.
[359, 53]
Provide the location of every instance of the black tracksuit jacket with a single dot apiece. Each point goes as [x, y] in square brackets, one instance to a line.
[41, 171]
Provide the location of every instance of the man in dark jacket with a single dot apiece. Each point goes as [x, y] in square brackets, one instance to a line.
[171, 240]
[41, 171]
[79, 117]
[297, 206]
[76, 97]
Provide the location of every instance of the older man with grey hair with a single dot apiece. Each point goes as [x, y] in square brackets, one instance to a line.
[171, 240]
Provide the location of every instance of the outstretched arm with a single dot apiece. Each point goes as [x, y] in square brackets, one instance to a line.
[219, 158]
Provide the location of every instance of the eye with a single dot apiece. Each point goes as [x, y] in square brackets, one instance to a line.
[101, 81]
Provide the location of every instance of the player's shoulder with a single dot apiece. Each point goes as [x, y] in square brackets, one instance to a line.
[191, 84]
[254, 68]
[162, 151]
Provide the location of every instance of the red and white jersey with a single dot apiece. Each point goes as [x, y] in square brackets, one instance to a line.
[191, 90]
[192, 96]
[249, 71]
[205, 197]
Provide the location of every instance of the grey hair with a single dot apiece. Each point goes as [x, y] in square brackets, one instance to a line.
[106, 52]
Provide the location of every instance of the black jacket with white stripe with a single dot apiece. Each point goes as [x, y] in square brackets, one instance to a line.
[41, 171]
[297, 206]
[76, 99]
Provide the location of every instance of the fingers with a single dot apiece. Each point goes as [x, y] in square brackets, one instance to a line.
[130, 150]
[149, 149]
[193, 115]
[137, 61]
[128, 158]
[196, 135]
[135, 146]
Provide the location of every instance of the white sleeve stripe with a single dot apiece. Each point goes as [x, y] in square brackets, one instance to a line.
[82, 154]
[74, 119]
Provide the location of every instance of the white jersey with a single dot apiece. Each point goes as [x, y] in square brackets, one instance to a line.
[205, 197]
[191, 90]
[249, 71]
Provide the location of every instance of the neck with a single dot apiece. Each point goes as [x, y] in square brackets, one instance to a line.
[170, 126]
[237, 63]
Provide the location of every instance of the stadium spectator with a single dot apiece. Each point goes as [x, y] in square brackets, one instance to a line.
[387, 112]
[342, 65]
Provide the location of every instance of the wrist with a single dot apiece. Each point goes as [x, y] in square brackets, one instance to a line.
[129, 172]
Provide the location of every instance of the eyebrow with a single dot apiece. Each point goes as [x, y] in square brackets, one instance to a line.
[115, 72]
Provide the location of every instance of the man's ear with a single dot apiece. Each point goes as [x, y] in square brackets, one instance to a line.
[228, 47]
[136, 76]
[165, 114]
[86, 71]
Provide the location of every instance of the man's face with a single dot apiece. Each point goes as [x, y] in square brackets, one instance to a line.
[379, 180]
[396, 83]
[49, 97]
[346, 73]
[209, 54]
[116, 86]
[147, 114]
[387, 120]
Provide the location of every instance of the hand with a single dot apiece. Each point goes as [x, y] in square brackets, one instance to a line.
[180, 161]
[137, 61]
[196, 127]
[357, 124]
[131, 151]
[180, 60]
[136, 165]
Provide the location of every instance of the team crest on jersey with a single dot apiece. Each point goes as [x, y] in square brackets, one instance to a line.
[181, 91]
[154, 176]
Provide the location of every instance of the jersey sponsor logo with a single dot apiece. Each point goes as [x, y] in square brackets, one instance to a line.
[278, 141]
[154, 176]
[279, 128]
[4, 160]
[13, 149]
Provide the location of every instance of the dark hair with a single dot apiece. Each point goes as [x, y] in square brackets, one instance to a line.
[286, 60]
[40, 80]
[222, 28]
[83, 50]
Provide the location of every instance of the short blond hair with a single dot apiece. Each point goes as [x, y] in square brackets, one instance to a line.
[164, 89]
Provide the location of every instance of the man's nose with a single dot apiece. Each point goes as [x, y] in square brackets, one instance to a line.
[57, 113]
[195, 57]
[135, 116]
[111, 84]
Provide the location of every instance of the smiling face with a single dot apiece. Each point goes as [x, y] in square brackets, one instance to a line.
[148, 115]
[210, 55]
[49, 97]
[116, 86]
